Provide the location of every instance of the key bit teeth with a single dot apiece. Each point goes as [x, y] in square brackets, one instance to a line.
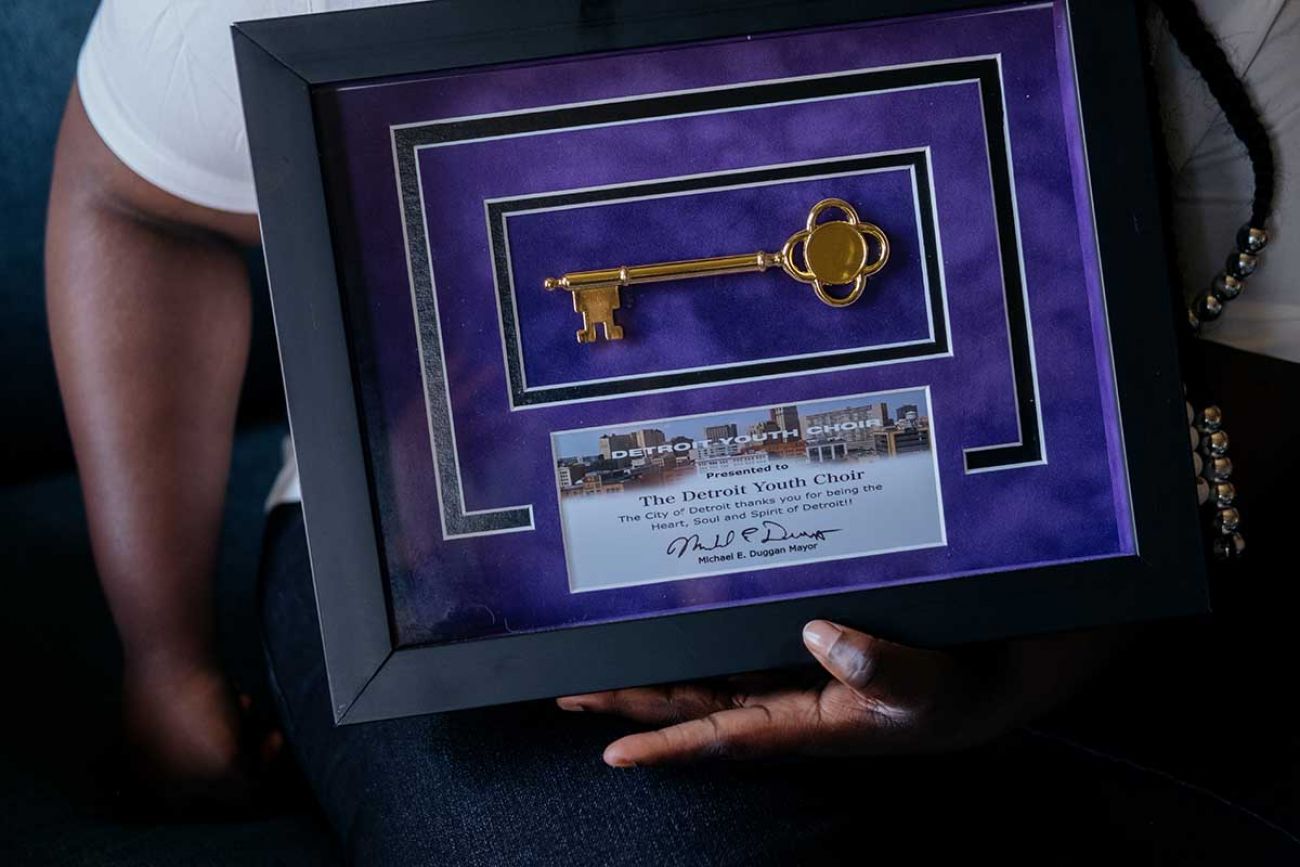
[591, 335]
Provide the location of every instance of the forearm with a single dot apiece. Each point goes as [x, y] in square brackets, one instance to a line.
[149, 321]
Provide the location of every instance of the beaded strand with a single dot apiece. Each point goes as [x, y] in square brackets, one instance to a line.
[1214, 486]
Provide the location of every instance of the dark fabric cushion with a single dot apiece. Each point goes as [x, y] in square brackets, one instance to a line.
[60, 665]
[40, 40]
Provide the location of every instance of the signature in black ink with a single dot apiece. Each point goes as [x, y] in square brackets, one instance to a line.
[770, 532]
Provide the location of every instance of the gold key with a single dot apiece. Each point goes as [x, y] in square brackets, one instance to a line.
[834, 253]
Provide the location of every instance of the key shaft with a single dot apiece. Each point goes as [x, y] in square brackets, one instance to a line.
[663, 272]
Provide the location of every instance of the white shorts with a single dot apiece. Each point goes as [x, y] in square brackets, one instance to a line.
[157, 78]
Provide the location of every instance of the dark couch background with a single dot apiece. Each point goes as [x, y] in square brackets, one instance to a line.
[40, 42]
[59, 657]
[1218, 714]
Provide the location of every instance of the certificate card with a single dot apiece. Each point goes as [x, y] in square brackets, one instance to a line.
[608, 336]
[756, 488]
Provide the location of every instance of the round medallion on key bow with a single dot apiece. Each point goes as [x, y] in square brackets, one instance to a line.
[835, 253]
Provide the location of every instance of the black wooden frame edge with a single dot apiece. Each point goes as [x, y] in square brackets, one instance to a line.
[279, 63]
[318, 382]
[373, 43]
[1116, 99]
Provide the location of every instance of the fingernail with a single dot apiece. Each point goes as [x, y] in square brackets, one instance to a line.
[819, 635]
[570, 704]
[614, 760]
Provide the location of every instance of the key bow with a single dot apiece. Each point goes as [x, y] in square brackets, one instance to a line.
[835, 253]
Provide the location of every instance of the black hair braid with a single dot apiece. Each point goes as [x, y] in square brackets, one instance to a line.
[1197, 42]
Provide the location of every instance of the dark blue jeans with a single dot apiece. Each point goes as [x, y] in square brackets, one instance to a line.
[524, 784]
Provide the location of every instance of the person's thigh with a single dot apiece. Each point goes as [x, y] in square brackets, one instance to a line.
[525, 784]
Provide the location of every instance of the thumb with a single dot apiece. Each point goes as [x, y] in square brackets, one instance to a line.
[874, 667]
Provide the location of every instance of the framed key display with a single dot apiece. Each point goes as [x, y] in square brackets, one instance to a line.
[621, 339]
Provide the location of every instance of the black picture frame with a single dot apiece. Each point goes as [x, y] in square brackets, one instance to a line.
[281, 61]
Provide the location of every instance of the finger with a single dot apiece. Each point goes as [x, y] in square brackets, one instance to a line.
[760, 682]
[745, 732]
[888, 673]
[655, 705]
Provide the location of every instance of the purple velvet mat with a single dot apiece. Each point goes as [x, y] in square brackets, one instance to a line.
[1070, 506]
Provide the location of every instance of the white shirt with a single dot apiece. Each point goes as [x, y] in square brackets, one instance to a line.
[157, 78]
